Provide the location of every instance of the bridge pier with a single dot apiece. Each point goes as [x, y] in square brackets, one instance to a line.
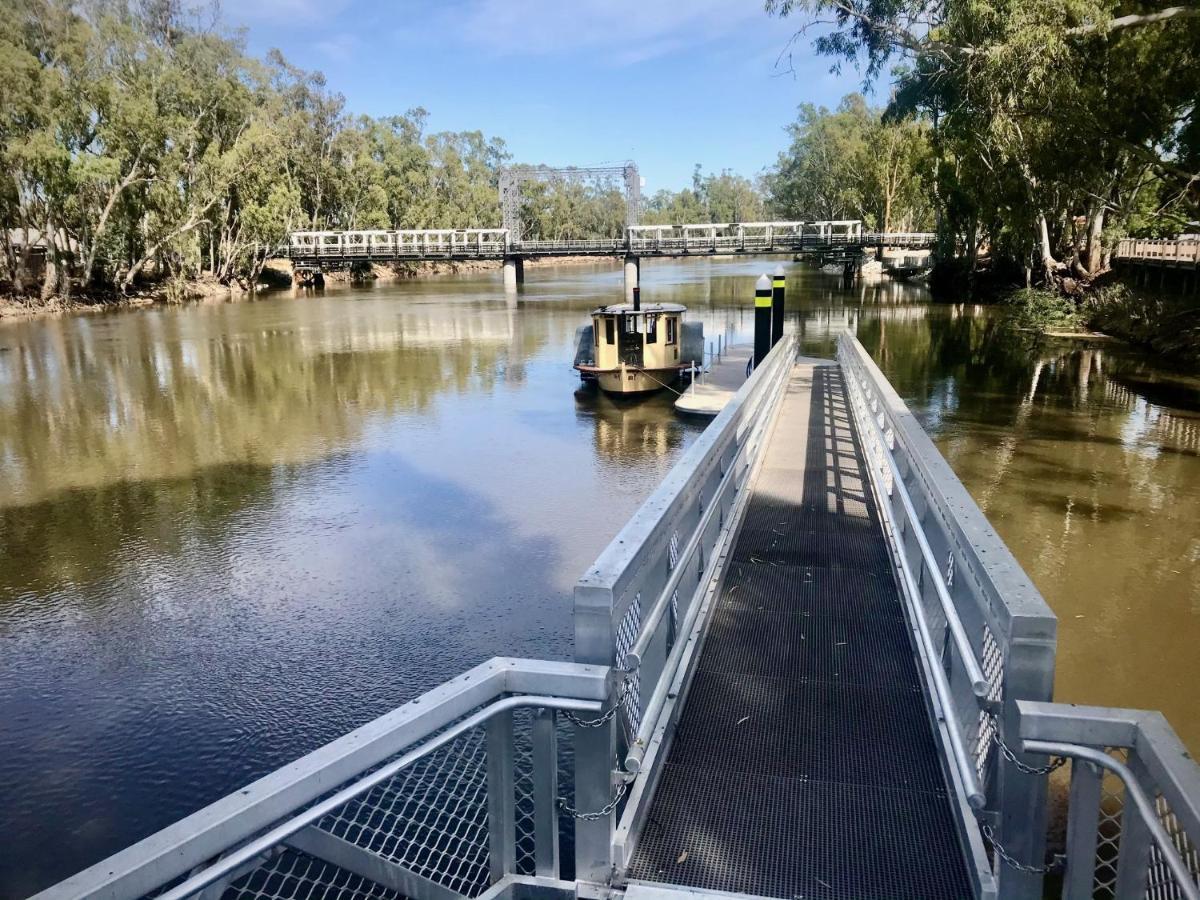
[633, 271]
[514, 272]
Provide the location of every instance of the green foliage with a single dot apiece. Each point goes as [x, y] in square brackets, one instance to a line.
[1040, 310]
[1168, 324]
[140, 144]
[1057, 127]
[711, 198]
[853, 163]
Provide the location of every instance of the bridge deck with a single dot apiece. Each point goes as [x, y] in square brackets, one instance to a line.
[805, 763]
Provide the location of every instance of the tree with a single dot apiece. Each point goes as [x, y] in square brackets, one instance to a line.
[852, 164]
[1049, 119]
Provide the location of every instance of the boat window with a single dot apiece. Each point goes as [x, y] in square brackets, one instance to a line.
[651, 329]
[595, 334]
[671, 323]
[631, 324]
[609, 331]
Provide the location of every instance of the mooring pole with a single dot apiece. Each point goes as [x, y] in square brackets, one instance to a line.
[778, 287]
[762, 319]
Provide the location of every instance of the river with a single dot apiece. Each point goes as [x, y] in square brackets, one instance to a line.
[230, 532]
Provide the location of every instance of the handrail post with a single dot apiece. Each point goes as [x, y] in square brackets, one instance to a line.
[1083, 819]
[544, 735]
[502, 835]
[596, 747]
[1028, 675]
[1133, 860]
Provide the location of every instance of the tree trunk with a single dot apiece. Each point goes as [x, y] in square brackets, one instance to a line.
[1093, 261]
[1050, 266]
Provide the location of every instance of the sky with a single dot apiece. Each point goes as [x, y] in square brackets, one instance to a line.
[666, 83]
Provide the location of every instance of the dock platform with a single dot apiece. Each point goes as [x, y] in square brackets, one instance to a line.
[715, 387]
[804, 763]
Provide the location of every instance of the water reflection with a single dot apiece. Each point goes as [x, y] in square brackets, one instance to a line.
[629, 429]
[1091, 479]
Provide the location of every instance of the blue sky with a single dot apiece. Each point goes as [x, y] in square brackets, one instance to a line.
[667, 83]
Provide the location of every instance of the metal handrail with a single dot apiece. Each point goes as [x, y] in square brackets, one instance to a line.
[962, 759]
[282, 832]
[979, 681]
[274, 808]
[651, 619]
[1183, 877]
[649, 719]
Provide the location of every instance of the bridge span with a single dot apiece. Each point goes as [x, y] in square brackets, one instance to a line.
[806, 668]
[843, 239]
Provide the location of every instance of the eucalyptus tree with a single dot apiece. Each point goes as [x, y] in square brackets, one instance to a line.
[1054, 121]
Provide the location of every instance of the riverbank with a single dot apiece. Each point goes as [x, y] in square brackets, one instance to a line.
[1168, 324]
[276, 275]
[13, 307]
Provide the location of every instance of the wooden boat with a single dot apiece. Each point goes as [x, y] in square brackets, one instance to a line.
[631, 349]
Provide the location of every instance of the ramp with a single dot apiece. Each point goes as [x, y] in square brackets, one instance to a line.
[804, 765]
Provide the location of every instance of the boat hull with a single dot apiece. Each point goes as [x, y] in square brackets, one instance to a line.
[627, 380]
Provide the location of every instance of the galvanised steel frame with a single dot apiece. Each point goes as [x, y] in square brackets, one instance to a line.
[986, 640]
[642, 608]
[511, 180]
[458, 795]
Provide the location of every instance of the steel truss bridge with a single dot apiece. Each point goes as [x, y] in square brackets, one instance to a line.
[339, 248]
[807, 667]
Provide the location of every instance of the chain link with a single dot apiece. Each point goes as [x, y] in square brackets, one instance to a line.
[1008, 754]
[607, 716]
[603, 811]
[1053, 866]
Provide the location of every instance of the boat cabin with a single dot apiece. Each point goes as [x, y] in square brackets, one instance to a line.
[636, 347]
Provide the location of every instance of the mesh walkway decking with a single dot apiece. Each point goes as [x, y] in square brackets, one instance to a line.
[804, 765]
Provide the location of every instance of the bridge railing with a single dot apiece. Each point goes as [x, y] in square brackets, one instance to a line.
[985, 636]
[452, 796]
[1133, 805]
[387, 245]
[315, 247]
[641, 606]
[1178, 252]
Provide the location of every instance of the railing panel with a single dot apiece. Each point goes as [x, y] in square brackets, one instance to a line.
[413, 803]
[1137, 828]
[1004, 621]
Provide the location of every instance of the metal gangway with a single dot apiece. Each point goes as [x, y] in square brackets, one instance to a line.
[807, 667]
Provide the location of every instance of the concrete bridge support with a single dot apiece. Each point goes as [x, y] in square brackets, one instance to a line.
[514, 272]
[633, 271]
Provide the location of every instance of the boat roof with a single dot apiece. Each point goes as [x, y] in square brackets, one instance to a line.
[617, 309]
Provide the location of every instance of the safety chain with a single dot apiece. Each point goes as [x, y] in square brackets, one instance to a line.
[1008, 754]
[603, 811]
[607, 716]
[1053, 866]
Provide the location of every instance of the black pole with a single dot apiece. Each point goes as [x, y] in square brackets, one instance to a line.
[762, 319]
[778, 286]
[637, 299]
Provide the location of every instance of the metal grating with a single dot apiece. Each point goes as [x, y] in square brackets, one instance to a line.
[523, 790]
[432, 817]
[627, 633]
[296, 876]
[1160, 881]
[992, 663]
[804, 764]
[1108, 828]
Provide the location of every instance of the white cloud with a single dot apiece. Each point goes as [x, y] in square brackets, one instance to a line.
[623, 32]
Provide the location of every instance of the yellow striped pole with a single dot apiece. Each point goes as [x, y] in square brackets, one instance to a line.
[778, 286]
[762, 319]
